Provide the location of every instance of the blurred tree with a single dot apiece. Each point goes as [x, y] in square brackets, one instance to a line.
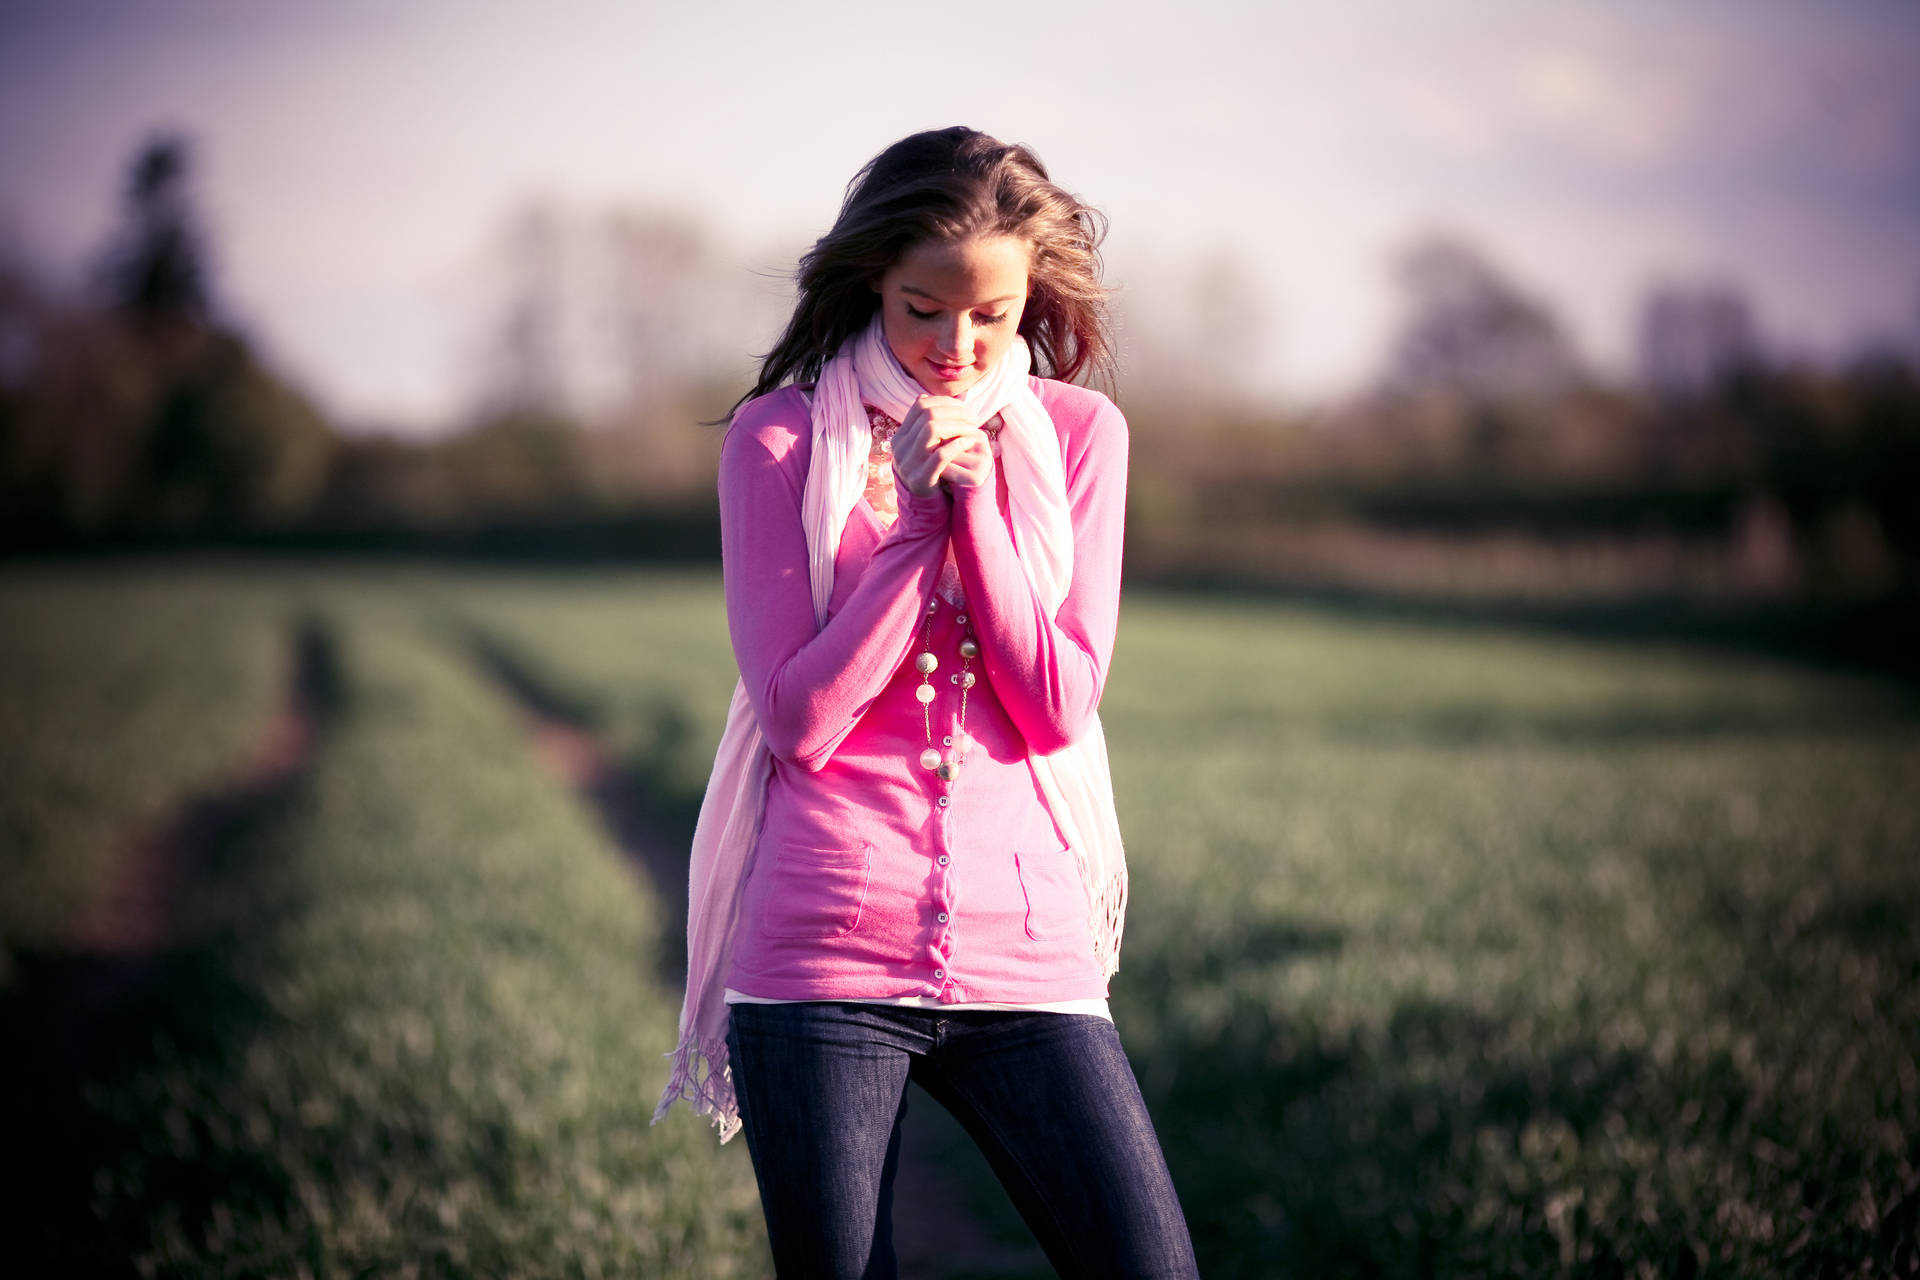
[629, 323]
[134, 412]
[1694, 339]
[1197, 332]
[526, 366]
[519, 463]
[1467, 329]
[155, 269]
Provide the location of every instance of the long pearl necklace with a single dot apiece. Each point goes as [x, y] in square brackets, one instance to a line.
[945, 766]
[880, 496]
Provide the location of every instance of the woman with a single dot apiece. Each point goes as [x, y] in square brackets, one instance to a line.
[907, 864]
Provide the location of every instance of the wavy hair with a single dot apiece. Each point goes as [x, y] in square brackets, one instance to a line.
[948, 185]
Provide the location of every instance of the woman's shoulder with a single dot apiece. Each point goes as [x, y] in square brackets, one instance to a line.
[781, 422]
[1091, 426]
[1076, 409]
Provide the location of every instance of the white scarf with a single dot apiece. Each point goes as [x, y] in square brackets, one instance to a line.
[1074, 780]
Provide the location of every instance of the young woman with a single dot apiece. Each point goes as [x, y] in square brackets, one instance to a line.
[907, 864]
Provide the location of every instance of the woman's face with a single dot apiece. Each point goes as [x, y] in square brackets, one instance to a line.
[951, 309]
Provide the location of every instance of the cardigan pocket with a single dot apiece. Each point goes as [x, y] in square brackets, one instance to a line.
[816, 893]
[1056, 900]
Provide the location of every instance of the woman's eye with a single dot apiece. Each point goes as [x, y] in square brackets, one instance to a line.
[918, 314]
[990, 319]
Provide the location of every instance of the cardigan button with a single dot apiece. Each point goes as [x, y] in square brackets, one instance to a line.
[939, 973]
[943, 859]
[942, 802]
[942, 917]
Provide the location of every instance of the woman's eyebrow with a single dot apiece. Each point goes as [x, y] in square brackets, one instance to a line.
[990, 302]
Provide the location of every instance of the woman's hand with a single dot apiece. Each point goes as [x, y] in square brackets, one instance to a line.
[940, 441]
[974, 466]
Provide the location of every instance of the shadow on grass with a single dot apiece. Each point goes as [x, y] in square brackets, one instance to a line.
[81, 1026]
[1624, 726]
[649, 814]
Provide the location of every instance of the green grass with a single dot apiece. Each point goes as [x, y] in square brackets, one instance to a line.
[1462, 951]
[1452, 951]
[412, 1026]
[121, 691]
[1468, 953]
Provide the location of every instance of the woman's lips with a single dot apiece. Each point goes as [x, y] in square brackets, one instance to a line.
[948, 372]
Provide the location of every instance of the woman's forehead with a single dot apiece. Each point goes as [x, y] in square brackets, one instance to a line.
[977, 271]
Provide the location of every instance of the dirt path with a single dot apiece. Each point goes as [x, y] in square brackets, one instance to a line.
[133, 915]
[73, 991]
[936, 1234]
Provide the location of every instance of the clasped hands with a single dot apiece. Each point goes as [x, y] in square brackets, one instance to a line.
[940, 443]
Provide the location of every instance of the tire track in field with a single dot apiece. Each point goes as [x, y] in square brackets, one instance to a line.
[82, 1002]
[112, 950]
[936, 1233]
[133, 916]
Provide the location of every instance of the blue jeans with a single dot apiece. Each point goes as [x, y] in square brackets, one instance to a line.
[1048, 1096]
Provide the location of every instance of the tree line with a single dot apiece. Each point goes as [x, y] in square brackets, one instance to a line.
[1487, 455]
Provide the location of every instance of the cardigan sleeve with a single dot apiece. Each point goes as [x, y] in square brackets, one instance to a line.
[809, 685]
[1048, 669]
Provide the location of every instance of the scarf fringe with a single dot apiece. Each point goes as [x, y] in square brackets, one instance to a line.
[1108, 919]
[709, 1091]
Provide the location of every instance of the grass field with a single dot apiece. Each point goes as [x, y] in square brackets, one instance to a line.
[1453, 950]
[119, 691]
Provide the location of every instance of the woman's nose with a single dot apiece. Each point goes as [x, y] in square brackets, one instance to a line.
[956, 340]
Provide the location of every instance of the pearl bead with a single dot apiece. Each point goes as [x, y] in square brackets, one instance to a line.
[924, 693]
[946, 770]
[966, 679]
[925, 664]
[969, 648]
[929, 759]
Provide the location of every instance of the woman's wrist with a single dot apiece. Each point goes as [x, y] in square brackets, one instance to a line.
[923, 512]
[973, 501]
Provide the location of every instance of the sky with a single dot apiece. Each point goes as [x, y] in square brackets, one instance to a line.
[355, 158]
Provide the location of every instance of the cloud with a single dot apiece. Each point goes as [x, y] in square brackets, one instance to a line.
[1598, 102]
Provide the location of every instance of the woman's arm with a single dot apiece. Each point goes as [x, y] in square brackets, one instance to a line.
[809, 686]
[1048, 669]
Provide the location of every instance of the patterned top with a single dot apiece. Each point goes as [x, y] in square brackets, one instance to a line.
[875, 875]
[885, 501]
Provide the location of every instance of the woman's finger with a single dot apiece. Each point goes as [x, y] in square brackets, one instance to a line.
[972, 467]
[919, 469]
[951, 453]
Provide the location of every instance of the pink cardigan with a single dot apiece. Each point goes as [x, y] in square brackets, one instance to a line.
[871, 877]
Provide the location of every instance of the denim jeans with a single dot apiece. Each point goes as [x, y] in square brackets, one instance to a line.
[1048, 1096]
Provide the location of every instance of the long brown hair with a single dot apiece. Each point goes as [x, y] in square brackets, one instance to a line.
[948, 185]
